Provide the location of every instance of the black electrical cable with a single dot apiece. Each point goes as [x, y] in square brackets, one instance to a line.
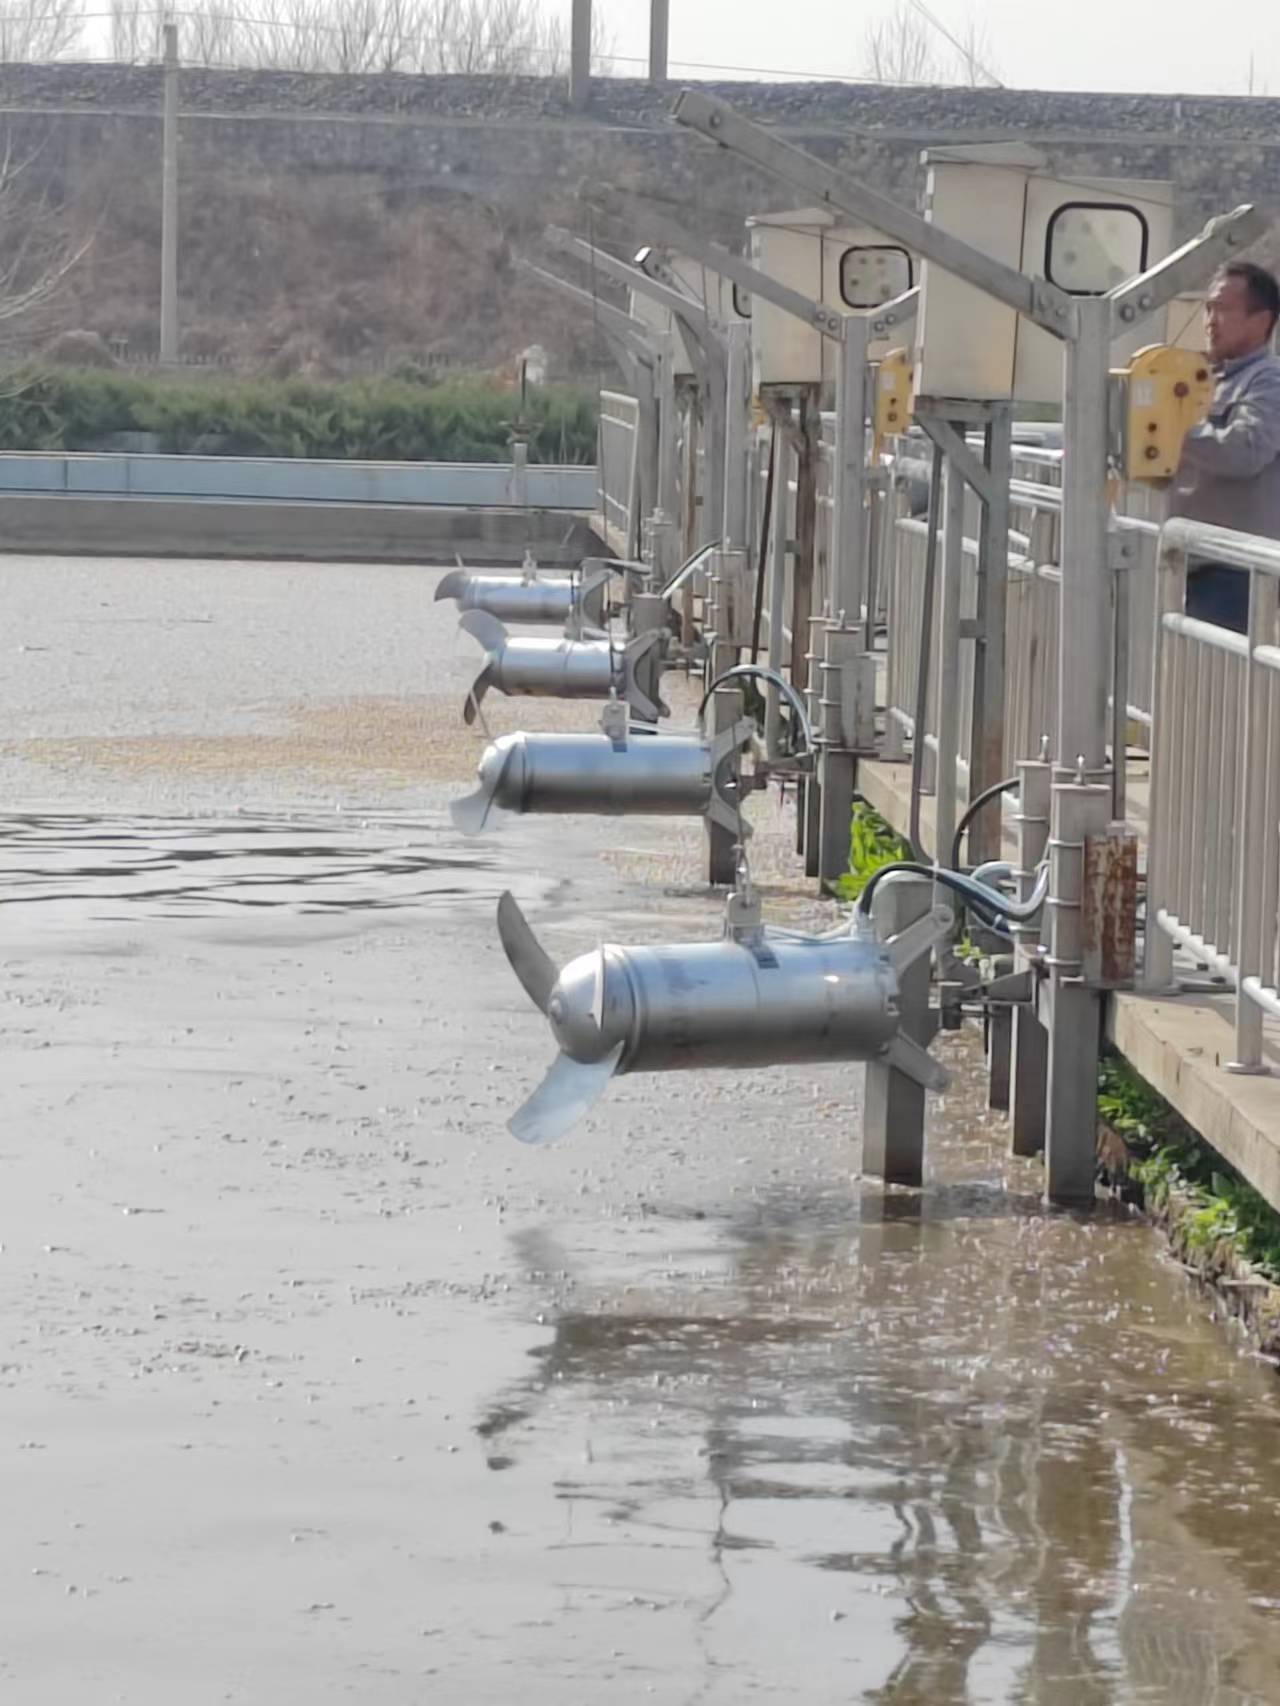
[985, 904]
[971, 811]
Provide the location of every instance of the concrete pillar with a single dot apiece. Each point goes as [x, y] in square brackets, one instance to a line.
[169, 201]
[659, 35]
[580, 55]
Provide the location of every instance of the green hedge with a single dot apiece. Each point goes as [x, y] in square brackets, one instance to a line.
[384, 419]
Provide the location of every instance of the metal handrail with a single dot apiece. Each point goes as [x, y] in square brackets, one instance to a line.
[1213, 859]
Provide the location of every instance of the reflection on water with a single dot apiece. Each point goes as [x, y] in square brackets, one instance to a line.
[933, 1449]
[90, 867]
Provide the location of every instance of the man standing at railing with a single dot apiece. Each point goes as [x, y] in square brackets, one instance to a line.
[1229, 473]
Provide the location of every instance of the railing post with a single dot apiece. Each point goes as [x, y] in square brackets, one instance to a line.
[1254, 827]
[1170, 593]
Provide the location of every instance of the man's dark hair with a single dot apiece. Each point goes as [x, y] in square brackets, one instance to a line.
[1261, 289]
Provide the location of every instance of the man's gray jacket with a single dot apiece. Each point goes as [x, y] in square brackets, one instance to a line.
[1229, 472]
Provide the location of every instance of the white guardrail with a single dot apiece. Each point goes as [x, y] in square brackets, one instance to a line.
[1213, 862]
[618, 465]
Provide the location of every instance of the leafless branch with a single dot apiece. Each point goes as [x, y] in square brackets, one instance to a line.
[38, 29]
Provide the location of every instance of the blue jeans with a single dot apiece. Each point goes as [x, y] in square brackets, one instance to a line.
[1218, 594]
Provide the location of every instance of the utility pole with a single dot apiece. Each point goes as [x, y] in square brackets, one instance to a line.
[169, 202]
[580, 55]
[659, 35]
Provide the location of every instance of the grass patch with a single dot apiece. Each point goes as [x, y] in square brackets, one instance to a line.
[391, 419]
[872, 843]
[1213, 1213]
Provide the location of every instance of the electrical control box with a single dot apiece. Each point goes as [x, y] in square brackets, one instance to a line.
[849, 268]
[1163, 392]
[1084, 235]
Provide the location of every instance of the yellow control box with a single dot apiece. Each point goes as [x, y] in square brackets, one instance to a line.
[1166, 391]
[892, 412]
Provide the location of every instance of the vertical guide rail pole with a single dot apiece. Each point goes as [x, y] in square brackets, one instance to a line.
[1029, 1065]
[1080, 808]
[663, 541]
[987, 759]
[928, 595]
[846, 596]
[169, 201]
[804, 650]
[732, 603]
[779, 534]
[1121, 594]
[947, 704]
[847, 576]
[1251, 850]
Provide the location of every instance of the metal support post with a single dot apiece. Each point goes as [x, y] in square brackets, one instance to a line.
[169, 201]
[659, 35]
[893, 1112]
[846, 706]
[1030, 1063]
[999, 1054]
[580, 55]
[1084, 629]
[1080, 808]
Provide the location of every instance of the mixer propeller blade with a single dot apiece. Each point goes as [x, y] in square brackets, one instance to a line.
[529, 959]
[472, 813]
[490, 633]
[452, 585]
[565, 1094]
[479, 687]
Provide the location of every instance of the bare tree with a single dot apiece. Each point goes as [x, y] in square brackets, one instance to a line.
[975, 61]
[134, 31]
[897, 48]
[501, 38]
[39, 249]
[32, 30]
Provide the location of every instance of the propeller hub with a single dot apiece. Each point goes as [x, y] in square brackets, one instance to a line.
[591, 1007]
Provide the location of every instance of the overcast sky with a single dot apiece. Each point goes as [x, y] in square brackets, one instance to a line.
[1177, 45]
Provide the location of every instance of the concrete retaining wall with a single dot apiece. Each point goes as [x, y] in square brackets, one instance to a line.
[453, 484]
[81, 524]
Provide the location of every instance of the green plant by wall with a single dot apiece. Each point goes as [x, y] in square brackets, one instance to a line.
[1223, 1211]
[872, 843]
[385, 419]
